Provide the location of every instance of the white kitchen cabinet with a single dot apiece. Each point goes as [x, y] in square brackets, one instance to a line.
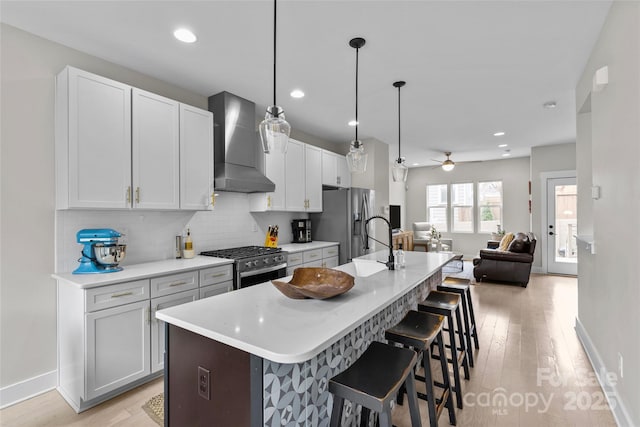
[117, 347]
[196, 158]
[295, 197]
[122, 147]
[335, 171]
[155, 149]
[320, 257]
[93, 141]
[313, 178]
[157, 326]
[275, 170]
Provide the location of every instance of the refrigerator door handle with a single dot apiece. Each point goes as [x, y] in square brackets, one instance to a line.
[365, 215]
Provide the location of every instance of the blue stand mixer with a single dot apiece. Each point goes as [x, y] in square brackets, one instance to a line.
[101, 252]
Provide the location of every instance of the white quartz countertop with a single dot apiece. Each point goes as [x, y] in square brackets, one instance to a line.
[141, 271]
[301, 247]
[261, 320]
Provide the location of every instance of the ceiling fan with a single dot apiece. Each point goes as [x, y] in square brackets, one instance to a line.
[448, 164]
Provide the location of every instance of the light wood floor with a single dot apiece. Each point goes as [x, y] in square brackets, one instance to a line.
[523, 332]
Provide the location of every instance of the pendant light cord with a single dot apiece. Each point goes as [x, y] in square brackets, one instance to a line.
[399, 124]
[357, 50]
[275, 11]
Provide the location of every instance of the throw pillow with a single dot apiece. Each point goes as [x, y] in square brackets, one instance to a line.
[504, 243]
[516, 245]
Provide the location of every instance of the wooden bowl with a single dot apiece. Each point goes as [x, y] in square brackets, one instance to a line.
[315, 282]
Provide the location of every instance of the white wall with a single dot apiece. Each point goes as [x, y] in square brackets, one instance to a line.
[28, 220]
[608, 290]
[514, 174]
[544, 159]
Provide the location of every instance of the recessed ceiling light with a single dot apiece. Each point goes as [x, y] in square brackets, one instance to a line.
[503, 145]
[499, 133]
[506, 154]
[415, 164]
[297, 93]
[549, 105]
[185, 35]
[353, 123]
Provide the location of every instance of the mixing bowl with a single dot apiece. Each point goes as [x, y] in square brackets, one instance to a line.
[109, 255]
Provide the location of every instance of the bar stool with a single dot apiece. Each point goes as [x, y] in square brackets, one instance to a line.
[462, 288]
[373, 381]
[448, 304]
[419, 330]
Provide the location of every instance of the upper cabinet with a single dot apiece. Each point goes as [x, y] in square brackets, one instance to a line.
[122, 147]
[297, 176]
[335, 171]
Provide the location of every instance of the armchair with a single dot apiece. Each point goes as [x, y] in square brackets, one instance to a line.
[422, 237]
[512, 265]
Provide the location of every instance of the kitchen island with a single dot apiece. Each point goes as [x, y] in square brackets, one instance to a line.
[255, 357]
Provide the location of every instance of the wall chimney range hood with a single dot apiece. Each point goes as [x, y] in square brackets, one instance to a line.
[236, 145]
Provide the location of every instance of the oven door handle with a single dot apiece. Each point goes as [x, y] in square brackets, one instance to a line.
[263, 270]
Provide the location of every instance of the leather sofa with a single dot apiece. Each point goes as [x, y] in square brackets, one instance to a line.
[512, 265]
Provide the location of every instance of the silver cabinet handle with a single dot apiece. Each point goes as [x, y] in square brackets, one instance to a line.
[121, 294]
[219, 275]
[178, 283]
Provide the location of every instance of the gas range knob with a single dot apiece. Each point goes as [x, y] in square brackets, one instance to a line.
[255, 263]
[267, 260]
[248, 264]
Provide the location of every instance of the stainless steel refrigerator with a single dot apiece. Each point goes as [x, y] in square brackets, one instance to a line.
[345, 211]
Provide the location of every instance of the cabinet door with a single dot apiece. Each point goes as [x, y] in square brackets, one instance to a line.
[98, 134]
[313, 178]
[217, 289]
[117, 347]
[344, 176]
[155, 151]
[329, 172]
[295, 175]
[196, 158]
[274, 168]
[157, 326]
[330, 262]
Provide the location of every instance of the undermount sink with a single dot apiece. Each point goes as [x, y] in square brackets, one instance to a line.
[367, 267]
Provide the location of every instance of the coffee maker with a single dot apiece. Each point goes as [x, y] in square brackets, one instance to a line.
[301, 229]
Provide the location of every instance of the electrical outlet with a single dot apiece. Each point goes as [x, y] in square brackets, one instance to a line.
[620, 365]
[204, 383]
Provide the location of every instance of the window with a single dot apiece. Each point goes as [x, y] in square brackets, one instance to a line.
[437, 206]
[462, 208]
[489, 206]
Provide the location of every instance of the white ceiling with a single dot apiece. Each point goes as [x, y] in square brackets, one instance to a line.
[472, 67]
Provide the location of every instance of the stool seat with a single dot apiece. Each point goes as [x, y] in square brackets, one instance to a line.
[415, 330]
[456, 280]
[373, 380]
[442, 300]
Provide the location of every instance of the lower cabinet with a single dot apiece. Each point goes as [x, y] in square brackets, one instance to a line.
[108, 337]
[321, 257]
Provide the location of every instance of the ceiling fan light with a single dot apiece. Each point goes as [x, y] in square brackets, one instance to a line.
[448, 165]
[357, 158]
[400, 170]
[274, 130]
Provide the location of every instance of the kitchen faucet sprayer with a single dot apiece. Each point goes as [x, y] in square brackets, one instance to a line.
[391, 262]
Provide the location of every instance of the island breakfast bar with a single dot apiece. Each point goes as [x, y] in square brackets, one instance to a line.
[254, 357]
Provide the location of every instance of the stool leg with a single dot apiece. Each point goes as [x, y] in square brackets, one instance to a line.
[447, 381]
[467, 330]
[385, 416]
[336, 412]
[473, 320]
[463, 346]
[454, 359]
[364, 416]
[428, 382]
[414, 409]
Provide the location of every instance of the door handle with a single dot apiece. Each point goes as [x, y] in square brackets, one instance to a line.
[551, 233]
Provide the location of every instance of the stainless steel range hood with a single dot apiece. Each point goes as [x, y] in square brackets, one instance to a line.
[236, 145]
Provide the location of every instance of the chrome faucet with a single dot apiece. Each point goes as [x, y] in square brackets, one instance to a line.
[391, 262]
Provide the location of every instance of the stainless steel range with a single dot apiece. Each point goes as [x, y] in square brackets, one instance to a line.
[253, 264]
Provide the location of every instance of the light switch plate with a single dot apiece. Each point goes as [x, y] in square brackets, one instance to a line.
[595, 192]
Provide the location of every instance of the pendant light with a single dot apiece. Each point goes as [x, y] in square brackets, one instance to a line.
[274, 129]
[400, 170]
[448, 164]
[357, 158]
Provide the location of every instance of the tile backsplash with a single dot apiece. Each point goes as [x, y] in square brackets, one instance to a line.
[150, 235]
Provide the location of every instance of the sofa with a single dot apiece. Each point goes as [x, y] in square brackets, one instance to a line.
[512, 265]
[422, 237]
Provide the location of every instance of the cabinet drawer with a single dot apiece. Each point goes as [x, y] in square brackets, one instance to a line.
[217, 289]
[167, 285]
[330, 262]
[330, 252]
[115, 295]
[310, 256]
[294, 259]
[213, 275]
[317, 263]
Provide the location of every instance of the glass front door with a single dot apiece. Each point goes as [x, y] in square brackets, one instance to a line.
[562, 253]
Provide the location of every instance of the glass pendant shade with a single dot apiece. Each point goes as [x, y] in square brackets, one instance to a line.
[448, 165]
[274, 131]
[357, 158]
[400, 170]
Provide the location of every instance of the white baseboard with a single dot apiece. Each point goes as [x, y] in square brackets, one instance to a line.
[620, 413]
[537, 270]
[27, 389]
